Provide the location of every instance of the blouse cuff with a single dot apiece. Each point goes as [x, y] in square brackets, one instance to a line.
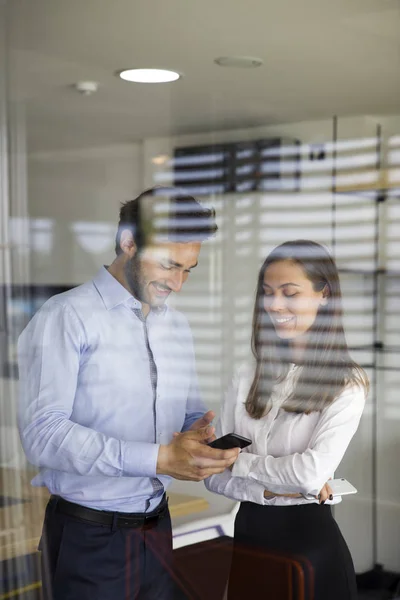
[242, 465]
[254, 492]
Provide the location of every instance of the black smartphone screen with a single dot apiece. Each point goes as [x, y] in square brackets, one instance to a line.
[230, 440]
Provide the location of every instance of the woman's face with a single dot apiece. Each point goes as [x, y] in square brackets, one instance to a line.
[290, 299]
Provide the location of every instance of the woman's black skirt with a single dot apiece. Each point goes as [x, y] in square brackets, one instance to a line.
[290, 552]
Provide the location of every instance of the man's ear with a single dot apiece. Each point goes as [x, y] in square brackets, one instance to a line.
[127, 243]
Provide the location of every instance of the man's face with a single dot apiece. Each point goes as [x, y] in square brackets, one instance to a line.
[160, 269]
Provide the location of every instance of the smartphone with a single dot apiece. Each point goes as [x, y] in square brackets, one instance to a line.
[230, 440]
[341, 487]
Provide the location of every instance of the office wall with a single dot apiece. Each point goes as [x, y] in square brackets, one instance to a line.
[310, 133]
[74, 199]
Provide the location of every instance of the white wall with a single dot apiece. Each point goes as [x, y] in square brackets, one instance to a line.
[74, 199]
[308, 132]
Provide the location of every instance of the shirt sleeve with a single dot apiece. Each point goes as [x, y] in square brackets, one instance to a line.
[49, 353]
[308, 471]
[195, 407]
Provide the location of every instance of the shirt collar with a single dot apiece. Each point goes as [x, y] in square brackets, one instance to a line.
[113, 293]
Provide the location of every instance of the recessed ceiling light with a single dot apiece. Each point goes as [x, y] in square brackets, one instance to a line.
[149, 75]
[241, 62]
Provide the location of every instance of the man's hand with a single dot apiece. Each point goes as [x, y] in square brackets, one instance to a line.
[205, 420]
[189, 458]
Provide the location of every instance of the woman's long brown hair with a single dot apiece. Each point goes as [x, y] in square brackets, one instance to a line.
[326, 365]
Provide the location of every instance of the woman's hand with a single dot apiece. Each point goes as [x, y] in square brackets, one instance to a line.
[325, 493]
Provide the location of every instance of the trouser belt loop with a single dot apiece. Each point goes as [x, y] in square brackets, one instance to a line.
[114, 524]
[55, 500]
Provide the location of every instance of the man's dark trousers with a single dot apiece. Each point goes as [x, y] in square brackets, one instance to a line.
[82, 560]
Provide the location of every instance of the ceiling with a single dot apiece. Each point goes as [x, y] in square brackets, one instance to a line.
[320, 58]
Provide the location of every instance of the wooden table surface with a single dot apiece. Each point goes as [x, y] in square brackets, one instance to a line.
[21, 523]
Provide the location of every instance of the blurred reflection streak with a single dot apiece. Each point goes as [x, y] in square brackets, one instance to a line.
[394, 140]
[351, 144]
[341, 162]
[394, 157]
[19, 233]
[42, 235]
[198, 159]
[94, 238]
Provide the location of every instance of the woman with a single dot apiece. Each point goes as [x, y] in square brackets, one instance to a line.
[300, 402]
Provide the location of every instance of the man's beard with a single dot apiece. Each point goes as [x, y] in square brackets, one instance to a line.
[134, 277]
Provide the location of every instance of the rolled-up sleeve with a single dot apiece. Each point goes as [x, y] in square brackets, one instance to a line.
[195, 407]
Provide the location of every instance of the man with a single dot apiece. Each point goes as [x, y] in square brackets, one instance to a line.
[107, 377]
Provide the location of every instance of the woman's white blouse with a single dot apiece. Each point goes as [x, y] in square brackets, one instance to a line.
[291, 453]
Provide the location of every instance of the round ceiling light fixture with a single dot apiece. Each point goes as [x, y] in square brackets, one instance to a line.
[149, 75]
[240, 62]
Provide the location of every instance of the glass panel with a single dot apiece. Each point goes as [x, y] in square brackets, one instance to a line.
[262, 145]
